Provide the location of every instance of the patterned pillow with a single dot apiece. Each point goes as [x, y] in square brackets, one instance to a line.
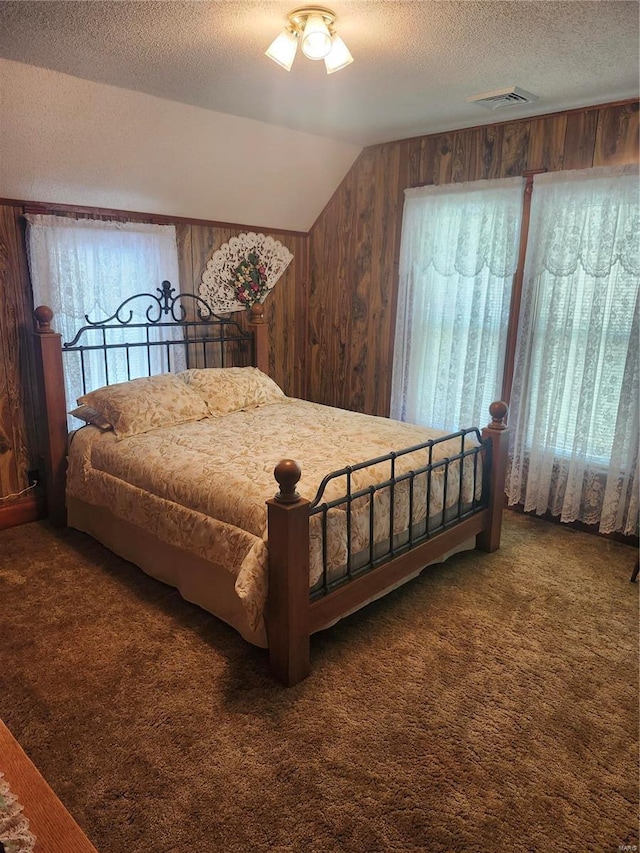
[91, 416]
[143, 404]
[231, 389]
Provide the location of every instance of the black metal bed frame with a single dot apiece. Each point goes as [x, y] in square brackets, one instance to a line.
[206, 340]
[392, 550]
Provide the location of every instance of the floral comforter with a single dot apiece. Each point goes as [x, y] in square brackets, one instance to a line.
[202, 486]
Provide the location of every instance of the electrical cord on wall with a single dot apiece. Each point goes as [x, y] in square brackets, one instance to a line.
[19, 494]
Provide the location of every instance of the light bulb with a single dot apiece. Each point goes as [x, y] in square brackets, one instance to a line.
[316, 41]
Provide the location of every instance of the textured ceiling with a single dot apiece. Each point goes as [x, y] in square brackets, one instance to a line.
[415, 62]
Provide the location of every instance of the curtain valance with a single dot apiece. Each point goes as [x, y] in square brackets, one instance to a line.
[586, 218]
[462, 229]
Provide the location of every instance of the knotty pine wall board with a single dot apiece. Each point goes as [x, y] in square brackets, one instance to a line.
[18, 440]
[355, 243]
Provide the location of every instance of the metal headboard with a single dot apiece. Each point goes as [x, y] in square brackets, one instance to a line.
[181, 330]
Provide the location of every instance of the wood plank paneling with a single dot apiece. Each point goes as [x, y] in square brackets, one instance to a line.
[286, 338]
[381, 301]
[8, 468]
[463, 145]
[354, 281]
[486, 153]
[354, 386]
[185, 259]
[317, 352]
[617, 135]
[436, 159]
[330, 286]
[580, 139]
[18, 440]
[546, 143]
[411, 176]
[341, 305]
[515, 147]
[355, 303]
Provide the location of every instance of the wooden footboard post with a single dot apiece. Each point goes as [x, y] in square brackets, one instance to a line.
[287, 613]
[498, 433]
[53, 413]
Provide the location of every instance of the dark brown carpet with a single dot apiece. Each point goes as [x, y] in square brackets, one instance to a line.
[489, 706]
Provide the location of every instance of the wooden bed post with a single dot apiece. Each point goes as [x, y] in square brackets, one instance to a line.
[498, 433]
[260, 337]
[53, 413]
[287, 612]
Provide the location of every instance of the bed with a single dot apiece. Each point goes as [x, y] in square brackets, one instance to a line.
[177, 472]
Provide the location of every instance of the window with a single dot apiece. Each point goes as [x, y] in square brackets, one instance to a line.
[574, 397]
[574, 405]
[459, 253]
[87, 267]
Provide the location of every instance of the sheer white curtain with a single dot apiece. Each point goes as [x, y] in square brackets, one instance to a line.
[574, 405]
[458, 255]
[88, 267]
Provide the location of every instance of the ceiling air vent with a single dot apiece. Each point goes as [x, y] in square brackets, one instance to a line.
[510, 97]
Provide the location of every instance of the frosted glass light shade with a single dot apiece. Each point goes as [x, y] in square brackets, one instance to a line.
[338, 57]
[283, 49]
[316, 41]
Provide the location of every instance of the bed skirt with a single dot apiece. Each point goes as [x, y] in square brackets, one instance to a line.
[197, 580]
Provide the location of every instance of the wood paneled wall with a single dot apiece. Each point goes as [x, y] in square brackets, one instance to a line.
[354, 245]
[284, 307]
[18, 440]
[19, 443]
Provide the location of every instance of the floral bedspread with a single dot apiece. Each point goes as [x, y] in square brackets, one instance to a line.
[202, 486]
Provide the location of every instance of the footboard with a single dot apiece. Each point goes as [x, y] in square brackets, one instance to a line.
[367, 537]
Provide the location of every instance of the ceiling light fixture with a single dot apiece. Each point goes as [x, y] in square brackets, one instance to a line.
[314, 27]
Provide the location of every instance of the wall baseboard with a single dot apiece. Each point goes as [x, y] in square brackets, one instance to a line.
[576, 525]
[29, 508]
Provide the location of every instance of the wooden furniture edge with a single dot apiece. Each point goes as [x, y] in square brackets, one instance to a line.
[260, 337]
[21, 511]
[55, 829]
[497, 433]
[287, 610]
[53, 413]
[291, 617]
[326, 610]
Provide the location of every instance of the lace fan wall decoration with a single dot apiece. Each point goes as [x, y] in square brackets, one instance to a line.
[243, 272]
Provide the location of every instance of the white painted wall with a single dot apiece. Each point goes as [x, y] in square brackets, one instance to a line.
[73, 141]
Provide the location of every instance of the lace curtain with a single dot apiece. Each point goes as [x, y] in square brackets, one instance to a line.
[574, 404]
[88, 267]
[458, 255]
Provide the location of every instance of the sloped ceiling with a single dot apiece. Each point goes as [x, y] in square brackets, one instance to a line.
[415, 62]
[70, 141]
